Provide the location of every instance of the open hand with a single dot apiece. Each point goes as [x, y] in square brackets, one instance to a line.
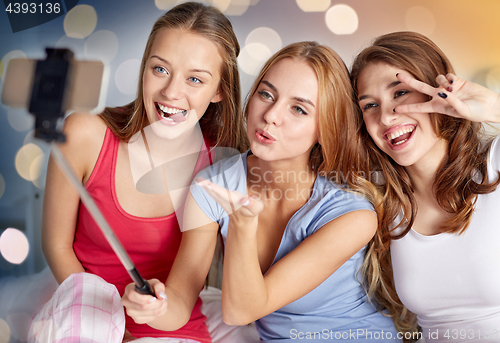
[454, 97]
[233, 202]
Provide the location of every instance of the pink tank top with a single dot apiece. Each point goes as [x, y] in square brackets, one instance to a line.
[151, 243]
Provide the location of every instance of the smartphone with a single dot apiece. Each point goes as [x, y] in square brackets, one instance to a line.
[85, 86]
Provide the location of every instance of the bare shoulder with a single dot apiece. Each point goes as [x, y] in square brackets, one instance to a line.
[81, 125]
[84, 138]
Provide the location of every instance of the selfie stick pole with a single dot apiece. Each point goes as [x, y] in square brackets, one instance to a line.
[141, 285]
[48, 94]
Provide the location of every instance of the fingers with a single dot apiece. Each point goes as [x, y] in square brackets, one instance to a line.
[454, 97]
[159, 288]
[145, 308]
[455, 107]
[446, 103]
[423, 107]
[419, 86]
[455, 81]
[230, 201]
[444, 83]
[448, 83]
[451, 78]
[253, 205]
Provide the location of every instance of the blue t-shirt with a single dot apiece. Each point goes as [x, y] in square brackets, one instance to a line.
[337, 309]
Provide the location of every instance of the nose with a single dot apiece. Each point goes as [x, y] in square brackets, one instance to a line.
[273, 115]
[388, 115]
[172, 89]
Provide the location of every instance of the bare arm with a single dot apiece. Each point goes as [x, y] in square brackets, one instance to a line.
[185, 280]
[248, 295]
[85, 134]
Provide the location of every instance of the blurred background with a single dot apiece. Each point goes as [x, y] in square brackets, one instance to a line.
[116, 32]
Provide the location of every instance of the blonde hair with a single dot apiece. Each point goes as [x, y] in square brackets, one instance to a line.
[222, 123]
[339, 157]
[455, 185]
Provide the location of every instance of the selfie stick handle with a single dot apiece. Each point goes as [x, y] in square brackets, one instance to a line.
[141, 285]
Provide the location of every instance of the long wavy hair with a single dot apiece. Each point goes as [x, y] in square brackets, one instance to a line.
[222, 123]
[340, 156]
[461, 176]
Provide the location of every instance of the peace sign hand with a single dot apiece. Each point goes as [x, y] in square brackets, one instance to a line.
[454, 97]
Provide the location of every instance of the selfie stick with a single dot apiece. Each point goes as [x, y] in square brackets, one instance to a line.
[46, 104]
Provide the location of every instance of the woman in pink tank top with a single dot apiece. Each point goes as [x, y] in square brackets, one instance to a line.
[137, 161]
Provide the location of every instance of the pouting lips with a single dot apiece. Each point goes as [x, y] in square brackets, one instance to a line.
[265, 135]
[174, 115]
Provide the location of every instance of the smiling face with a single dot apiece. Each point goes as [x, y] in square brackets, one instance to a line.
[181, 78]
[282, 121]
[406, 138]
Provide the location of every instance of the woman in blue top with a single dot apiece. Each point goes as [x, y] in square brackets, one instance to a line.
[294, 235]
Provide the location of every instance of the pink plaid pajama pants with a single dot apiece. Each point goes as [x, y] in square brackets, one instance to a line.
[84, 309]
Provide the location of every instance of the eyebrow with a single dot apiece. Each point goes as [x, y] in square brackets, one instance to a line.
[192, 70]
[389, 86]
[393, 84]
[270, 85]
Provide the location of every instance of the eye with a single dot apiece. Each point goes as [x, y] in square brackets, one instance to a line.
[368, 106]
[195, 80]
[266, 95]
[160, 70]
[399, 93]
[299, 110]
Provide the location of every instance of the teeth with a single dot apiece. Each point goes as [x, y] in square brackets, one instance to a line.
[401, 142]
[169, 110]
[400, 132]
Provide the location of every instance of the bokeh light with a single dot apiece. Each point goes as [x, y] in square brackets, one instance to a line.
[420, 19]
[237, 7]
[29, 138]
[314, 6]
[2, 186]
[222, 5]
[101, 45]
[4, 331]
[14, 246]
[77, 46]
[342, 20]
[38, 170]
[252, 57]
[20, 119]
[80, 21]
[264, 35]
[127, 76]
[7, 57]
[25, 158]
[165, 4]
